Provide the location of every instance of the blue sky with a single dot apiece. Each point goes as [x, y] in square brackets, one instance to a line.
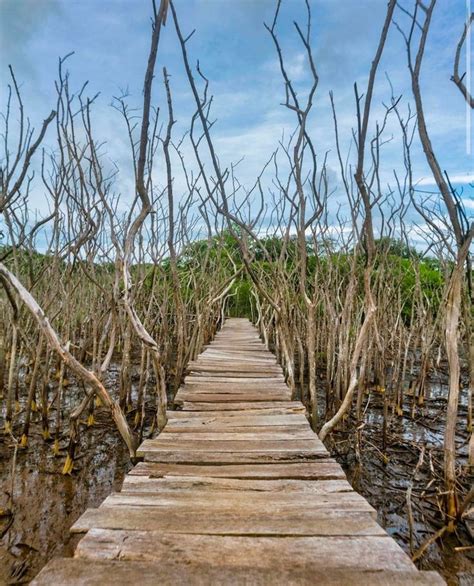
[111, 40]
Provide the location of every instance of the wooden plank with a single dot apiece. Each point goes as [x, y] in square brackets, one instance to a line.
[210, 387]
[245, 367]
[204, 426]
[284, 434]
[255, 396]
[235, 372]
[237, 497]
[248, 358]
[81, 572]
[236, 390]
[323, 469]
[222, 377]
[241, 357]
[236, 501]
[233, 388]
[290, 445]
[137, 483]
[232, 380]
[222, 522]
[200, 381]
[214, 428]
[246, 342]
[203, 458]
[224, 364]
[253, 347]
[362, 553]
[259, 418]
[281, 407]
[237, 349]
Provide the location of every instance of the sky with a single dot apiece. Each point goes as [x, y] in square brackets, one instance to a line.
[110, 40]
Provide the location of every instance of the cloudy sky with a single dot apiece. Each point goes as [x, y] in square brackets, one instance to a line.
[111, 38]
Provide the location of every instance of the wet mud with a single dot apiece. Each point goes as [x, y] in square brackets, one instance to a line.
[404, 481]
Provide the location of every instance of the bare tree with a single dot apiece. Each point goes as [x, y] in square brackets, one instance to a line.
[368, 231]
[456, 77]
[463, 234]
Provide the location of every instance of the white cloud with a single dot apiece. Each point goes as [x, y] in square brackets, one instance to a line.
[468, 203]
[455, 179]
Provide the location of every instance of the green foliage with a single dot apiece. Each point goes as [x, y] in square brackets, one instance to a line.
[396, 247]
[218, 248]
[240, 302]
[417, 280]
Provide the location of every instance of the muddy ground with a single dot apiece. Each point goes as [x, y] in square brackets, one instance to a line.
[46, 503]
[412, 459]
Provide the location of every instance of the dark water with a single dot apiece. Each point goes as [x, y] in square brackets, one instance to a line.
[383, 478]
[46, 503]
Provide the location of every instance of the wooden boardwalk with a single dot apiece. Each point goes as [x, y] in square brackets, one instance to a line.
[236, 490]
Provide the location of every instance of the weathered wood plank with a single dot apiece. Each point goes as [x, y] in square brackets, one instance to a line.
[247, 358]
[223, 522]
[360, 554]
[222, 388]
[289, 445]
[283, 434]
[240, 497]
[254, 396]
[323, 469]
[281, 407]
[81, 572]
[216, 353]
[195, 379]
[137, 483]
[256, 417]
[268, 431]
[237, 375]
[224, 365]
[234, 387]
[233, 372]
[213, 427]
[254, 349]
[203, 458]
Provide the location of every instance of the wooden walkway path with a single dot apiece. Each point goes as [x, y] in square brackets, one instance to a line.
[236, 490]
